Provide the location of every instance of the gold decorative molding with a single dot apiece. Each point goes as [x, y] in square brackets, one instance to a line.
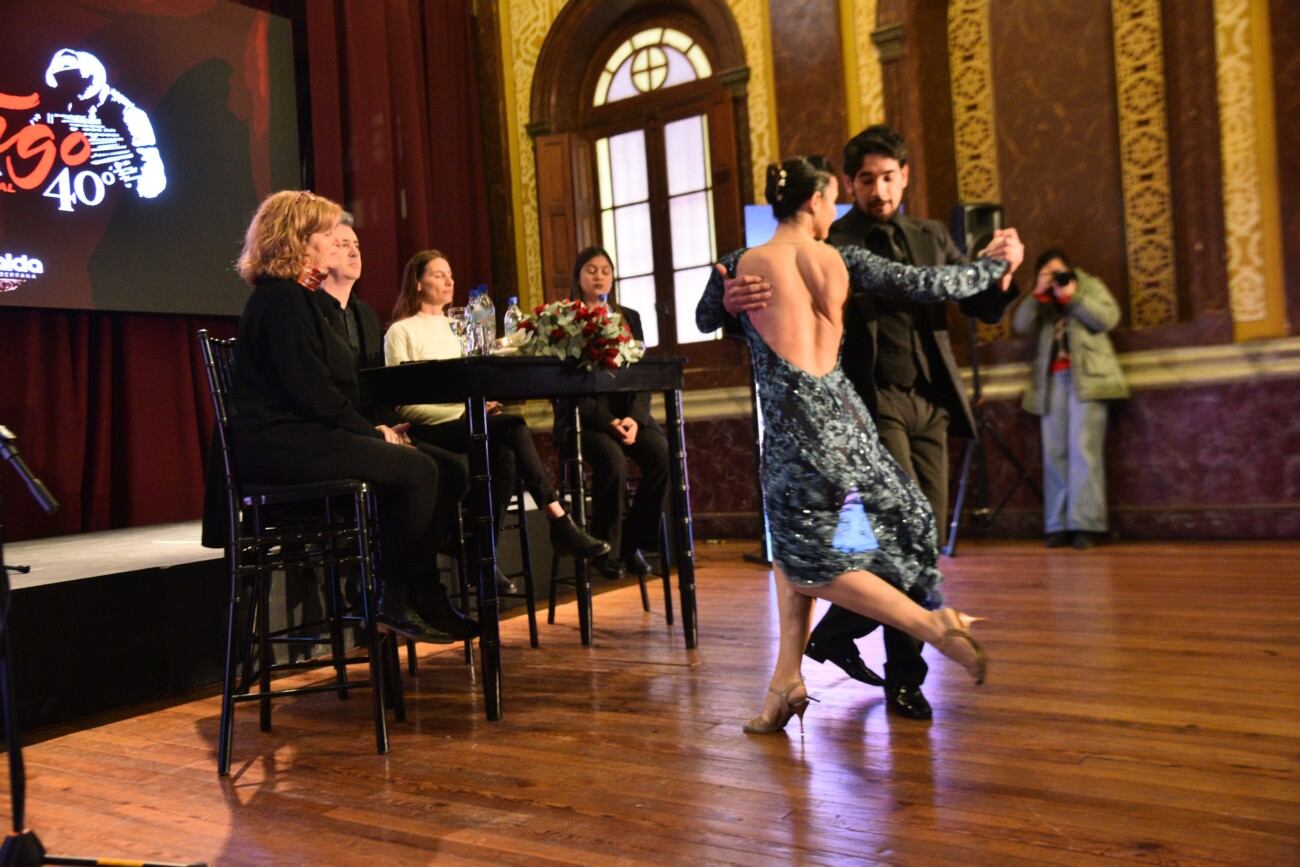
[1144, 162]
[864, 95]
[524, 26]
[974, 141]
[1248, 140]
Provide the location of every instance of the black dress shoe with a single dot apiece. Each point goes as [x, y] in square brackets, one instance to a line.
[907, 700]
[1082, 541]
[636, 563]
[845, 655]
[401, 619]
[505, 584]
[1056, 540]
[608, 568]
[435, 609]
[572, 539]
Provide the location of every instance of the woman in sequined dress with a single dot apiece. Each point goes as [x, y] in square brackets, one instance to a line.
[848, 525]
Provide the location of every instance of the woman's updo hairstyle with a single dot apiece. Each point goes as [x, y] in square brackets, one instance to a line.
[792, 182]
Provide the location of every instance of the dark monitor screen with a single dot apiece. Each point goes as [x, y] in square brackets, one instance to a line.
[136, 139]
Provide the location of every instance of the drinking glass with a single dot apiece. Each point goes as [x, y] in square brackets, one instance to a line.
[459, 327]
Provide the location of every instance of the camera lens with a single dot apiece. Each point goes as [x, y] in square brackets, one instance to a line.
[1063, 278]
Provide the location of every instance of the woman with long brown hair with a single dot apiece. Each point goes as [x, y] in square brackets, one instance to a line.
[422, 332]
[293, 420]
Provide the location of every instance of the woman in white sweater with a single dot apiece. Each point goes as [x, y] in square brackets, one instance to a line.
[421, 332]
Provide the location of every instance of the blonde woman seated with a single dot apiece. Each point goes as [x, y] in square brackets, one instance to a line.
[421, 332]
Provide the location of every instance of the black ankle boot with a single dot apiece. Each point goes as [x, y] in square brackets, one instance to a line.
[572, 539]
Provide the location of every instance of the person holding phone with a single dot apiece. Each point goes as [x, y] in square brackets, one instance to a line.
[1075, 371]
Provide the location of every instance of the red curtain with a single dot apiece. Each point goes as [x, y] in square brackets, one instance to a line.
[112, 409]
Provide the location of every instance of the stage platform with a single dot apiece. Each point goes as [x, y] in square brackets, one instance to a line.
[1140, 708]
[113, 619]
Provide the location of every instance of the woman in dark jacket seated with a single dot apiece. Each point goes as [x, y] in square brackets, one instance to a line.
[293, 421]
[616, 427]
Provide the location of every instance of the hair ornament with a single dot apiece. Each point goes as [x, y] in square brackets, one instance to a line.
[780, 184]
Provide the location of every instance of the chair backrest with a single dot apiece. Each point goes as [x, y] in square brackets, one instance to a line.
[219, 360]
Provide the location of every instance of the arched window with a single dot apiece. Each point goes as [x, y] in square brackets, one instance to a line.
[651, 60]
[652, 124]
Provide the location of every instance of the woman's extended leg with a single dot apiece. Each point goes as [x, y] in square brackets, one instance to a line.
[870, 595]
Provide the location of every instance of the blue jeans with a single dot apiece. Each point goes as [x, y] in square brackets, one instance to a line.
[1074, 469]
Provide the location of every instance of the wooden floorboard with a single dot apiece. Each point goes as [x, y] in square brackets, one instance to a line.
[1143, 706]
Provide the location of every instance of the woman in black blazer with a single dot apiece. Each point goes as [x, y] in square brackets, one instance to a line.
[616, 427]
[294, 422]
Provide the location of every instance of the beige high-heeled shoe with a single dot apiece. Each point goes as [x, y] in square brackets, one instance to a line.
[788, 708]
[956, 628]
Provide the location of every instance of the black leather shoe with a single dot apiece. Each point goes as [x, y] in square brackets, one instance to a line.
[636, 563]
[1082, 541]
[608, 568]
[401, 619]
[845, 655]
[505, 584]
[907, 700]
[433, 606]
[572, 539]
[1056, 540]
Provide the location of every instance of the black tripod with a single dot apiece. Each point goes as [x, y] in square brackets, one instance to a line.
[984, 512]
[22, 848]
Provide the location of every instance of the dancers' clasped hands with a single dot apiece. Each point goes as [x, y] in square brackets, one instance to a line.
[1007, 246]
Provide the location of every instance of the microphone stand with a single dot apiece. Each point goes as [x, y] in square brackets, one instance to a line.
[22, 848]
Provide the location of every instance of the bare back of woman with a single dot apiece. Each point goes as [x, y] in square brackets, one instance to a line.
[804, 321]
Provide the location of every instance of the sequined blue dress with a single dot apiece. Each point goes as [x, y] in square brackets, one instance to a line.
[836, 500]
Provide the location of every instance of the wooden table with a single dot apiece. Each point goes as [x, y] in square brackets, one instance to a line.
[479, 379]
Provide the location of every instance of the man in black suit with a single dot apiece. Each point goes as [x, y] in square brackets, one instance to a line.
[898, 356]
[354, 331]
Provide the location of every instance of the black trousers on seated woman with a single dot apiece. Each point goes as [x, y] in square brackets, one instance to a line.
[511, 450]
[639, 527]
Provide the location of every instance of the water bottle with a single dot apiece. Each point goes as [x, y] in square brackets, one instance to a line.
[489, 313]
[512, 316]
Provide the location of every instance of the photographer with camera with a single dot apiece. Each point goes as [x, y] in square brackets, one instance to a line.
[1074, 372]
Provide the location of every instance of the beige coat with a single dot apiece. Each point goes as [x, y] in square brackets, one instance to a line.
[1094, 367]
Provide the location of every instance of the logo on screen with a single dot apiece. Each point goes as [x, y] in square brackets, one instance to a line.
[17, 269]
[77, 138]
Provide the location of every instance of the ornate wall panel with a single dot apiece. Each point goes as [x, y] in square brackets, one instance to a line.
[1058, 134]
[1144, 161]
[1286, 72]
[524, 25]
[864, 90]
[1249, 167]
[974, 142]
[806, 47]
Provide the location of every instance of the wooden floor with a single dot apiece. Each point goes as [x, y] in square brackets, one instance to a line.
[1143, 705]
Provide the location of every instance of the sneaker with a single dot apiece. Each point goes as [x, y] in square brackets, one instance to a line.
[568, 537]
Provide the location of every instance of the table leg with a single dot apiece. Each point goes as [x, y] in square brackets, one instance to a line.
[681, 513]
[485, 555]
[581, 574]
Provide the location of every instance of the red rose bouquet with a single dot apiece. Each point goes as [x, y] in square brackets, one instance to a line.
[593, 336]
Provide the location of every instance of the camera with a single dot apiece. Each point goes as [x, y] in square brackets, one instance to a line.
[1063, 278]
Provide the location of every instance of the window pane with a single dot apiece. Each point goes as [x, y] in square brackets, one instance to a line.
[680, 69]
[639, 294]
[692, 230]
[688, 286]
[685, 154]
[608, 237]
[603, 180]
[632, 233]
[621, 87]
[627, 165]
